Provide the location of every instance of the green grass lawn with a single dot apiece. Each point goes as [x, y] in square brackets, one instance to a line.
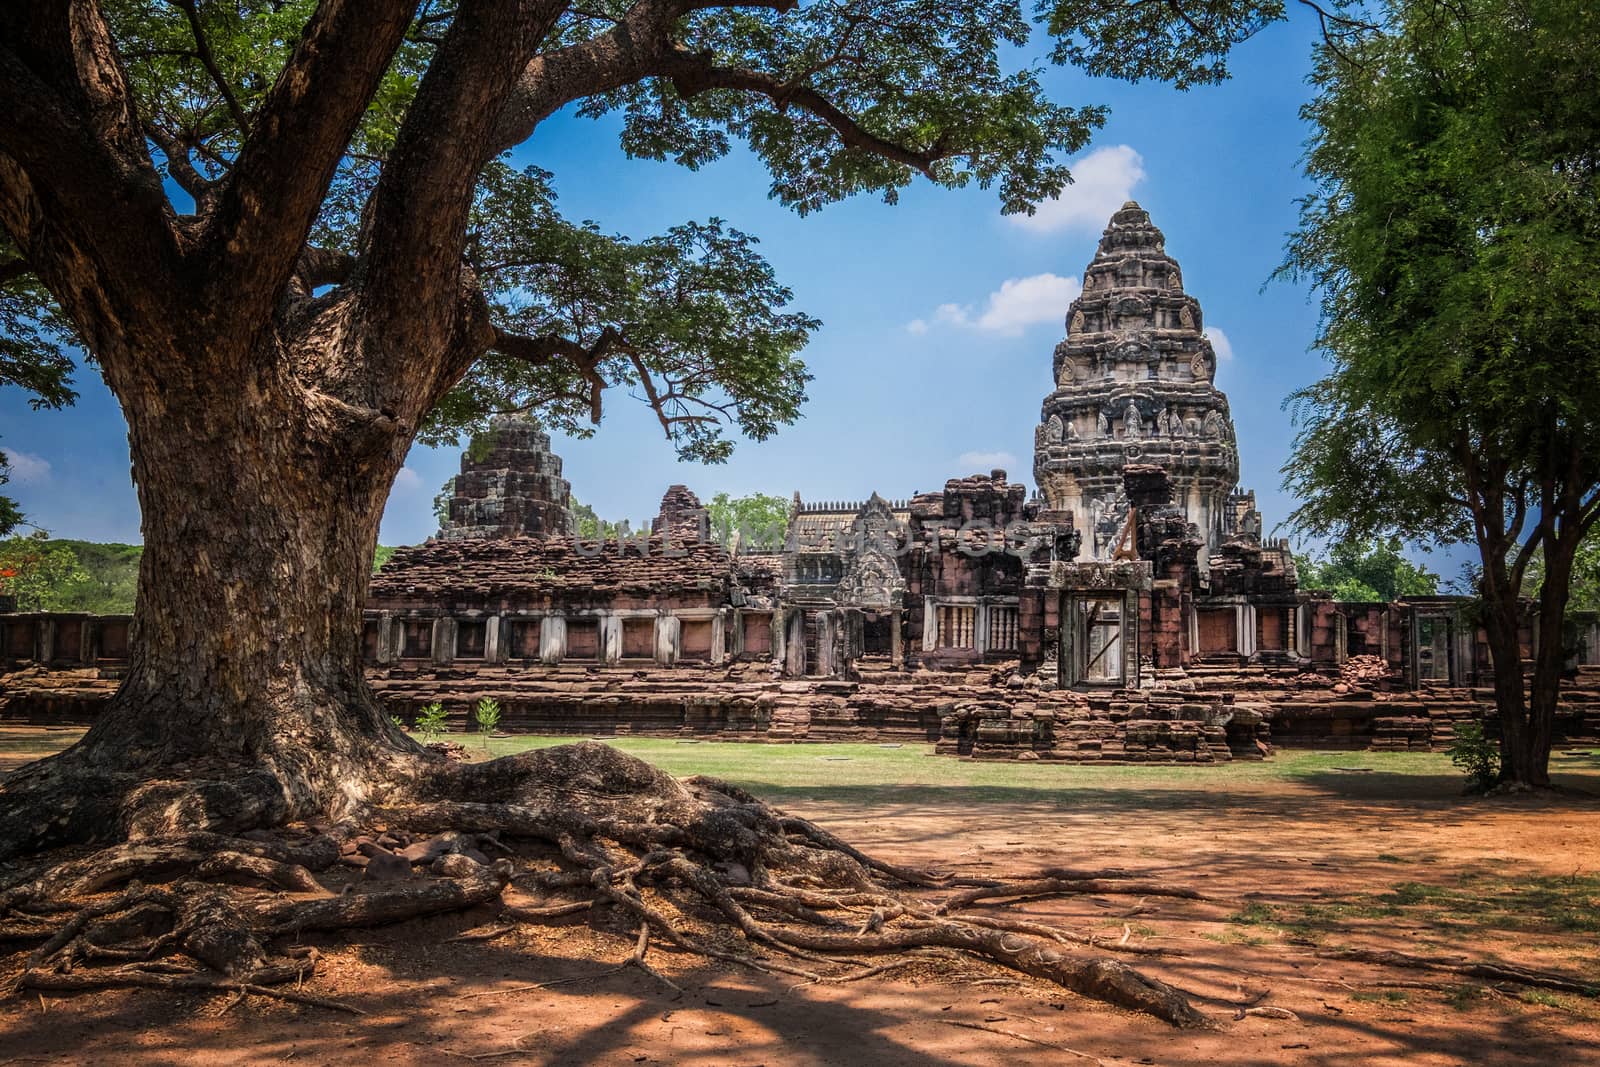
[877, 773]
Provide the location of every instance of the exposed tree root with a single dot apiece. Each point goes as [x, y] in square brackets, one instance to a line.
[1493, 972]
[697, 866]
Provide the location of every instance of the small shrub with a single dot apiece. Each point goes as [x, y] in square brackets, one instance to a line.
[487, 714]
[1477, 755]
[431, 723]
[1253, 914]
[399, 723]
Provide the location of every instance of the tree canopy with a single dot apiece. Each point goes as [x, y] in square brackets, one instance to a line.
[1370, 571]
[759, 519]
[1453, 235]
[835, 98]
[41, 574]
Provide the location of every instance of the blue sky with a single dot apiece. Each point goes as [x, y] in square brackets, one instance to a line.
[939, 314]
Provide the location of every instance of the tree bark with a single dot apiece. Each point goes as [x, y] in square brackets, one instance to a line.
[245, 702]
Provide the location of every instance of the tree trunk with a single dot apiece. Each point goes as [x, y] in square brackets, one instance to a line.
[260, 504]
[1502, 617]
[1550, 658]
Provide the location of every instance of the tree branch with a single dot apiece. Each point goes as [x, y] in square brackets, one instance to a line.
[419, 210]
[693, 74]
[283, 170]
[82, 199]
[209, 60]
[638, 46]
[544, 349]
[15, 268]
[180, 167]
[323, 266]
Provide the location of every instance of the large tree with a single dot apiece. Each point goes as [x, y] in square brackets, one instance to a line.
[288, 235]
[1366, 571]
[1454, 234]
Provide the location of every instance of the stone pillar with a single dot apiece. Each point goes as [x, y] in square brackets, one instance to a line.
[46, 640]
[386, 639]
[897, 650]
[825, 631]
[494, 633]
[444, 641]
[775, 627]
[1131, 633]
[980, 627]
[85, 643]
[719, 639]
[795, 654]
[669, 639]
[930, 624]
[1247, 629]
[553, 638]
[610, 638]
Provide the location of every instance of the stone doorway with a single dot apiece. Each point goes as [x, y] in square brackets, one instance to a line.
[1434, 661]
[1102, 631]
[877, 633]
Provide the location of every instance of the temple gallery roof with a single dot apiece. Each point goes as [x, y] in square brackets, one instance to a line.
[552, 566]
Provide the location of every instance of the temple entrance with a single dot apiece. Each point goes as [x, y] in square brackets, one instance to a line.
[1102, 640]
[877, 633]
[1433, 649]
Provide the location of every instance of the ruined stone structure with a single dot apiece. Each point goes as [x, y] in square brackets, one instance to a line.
[1134, 384]
[510, 485]
[1131, 612]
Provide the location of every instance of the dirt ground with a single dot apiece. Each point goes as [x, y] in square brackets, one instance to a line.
[1357, 858]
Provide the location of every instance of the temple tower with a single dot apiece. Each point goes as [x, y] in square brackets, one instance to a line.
[510, 485]
[1134, 384]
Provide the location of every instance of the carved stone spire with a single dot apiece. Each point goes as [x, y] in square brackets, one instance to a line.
[510, 485]
[1134, 384]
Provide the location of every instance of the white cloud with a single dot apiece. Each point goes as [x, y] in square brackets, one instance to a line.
[1220, 344]
[406, 481]
[1016, 305]
[28, 469]
[1023, 302]
[986, 461]
[1102, 182]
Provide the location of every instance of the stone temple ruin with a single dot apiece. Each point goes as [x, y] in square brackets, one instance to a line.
[1131, 611]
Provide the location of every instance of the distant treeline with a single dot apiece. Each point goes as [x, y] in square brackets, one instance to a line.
[58, 574]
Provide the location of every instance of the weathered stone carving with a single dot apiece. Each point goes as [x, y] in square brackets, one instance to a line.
[510, 485]
[1150, 369]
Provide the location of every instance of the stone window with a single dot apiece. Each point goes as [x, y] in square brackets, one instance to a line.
[69, 640]
[114, 640]
[1002, 628]
[471, 637]
[1270, 629]
[525, 635]
[583, 639]
[639, 638]
[1218, 629]
[696, 639]
[955, 626]
[371, 636]
[757, 635]
[20, 637]
[417, 639]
